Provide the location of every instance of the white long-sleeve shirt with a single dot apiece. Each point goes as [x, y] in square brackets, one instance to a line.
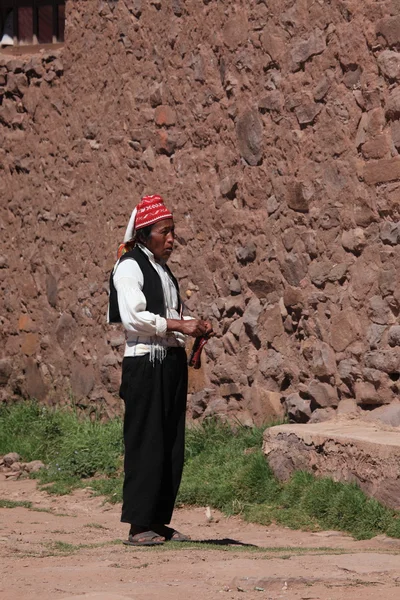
[146, 332]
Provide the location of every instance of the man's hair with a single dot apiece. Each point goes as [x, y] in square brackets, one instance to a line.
[142, 235]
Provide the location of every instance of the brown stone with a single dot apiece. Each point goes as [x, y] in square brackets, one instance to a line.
[323, 394]
[393, 105]
[266, 406]
[377, 147]
[35, 385]
[305, 49]
[250, 134]
[299, 196]
[235, 31]
[30, 344]
[345, 328]
[382, 171]
[389, 28]
[25, 323]
[164, 115]
[323, 360]
[82, 379]
[65, 330]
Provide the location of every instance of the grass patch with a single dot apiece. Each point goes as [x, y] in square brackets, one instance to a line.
[15, 504]
[225, 469]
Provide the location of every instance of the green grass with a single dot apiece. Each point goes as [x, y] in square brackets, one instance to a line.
[225, 469]
[15, 504]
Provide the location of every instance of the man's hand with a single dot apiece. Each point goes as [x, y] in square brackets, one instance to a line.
[192, 327]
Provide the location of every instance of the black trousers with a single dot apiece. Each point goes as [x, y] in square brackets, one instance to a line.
[154, 435]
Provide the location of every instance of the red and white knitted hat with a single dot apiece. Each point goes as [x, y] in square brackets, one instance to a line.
[150, 210]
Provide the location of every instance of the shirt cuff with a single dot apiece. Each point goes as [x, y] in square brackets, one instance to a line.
[161, 326]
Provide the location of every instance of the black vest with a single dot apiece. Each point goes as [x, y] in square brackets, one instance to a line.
[152, 287]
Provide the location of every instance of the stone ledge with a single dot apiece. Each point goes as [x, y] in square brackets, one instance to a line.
[345, 451]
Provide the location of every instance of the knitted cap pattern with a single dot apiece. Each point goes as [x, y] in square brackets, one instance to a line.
[150, 210]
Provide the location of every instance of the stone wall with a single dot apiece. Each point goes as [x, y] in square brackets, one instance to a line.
[272, 129]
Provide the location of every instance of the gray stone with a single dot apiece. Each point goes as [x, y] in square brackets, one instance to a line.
[299, 196]
[216, 407]
[249, 131]
[379, 311]
[349, 370]
[246, 254]
[319, 271]
[389, 28]
[305, 49]
[393, 105]
[306, 113]
[65, 330]
[387, 361]
[271, 364]
[5, 370]
[353, 240]
[389, 414]
[272, 205]
[250, 319]
[272, 101]
[395, 130]
[390, 233]
[323, 360]
[228, 186]
[298, 409]
[294, 268]
[234, 286]
[11, 458]
[374, 335]
[394, 336]
[389, 63]
[320, 415]
[34, 466]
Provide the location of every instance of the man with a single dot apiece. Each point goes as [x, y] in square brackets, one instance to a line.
[154, 372]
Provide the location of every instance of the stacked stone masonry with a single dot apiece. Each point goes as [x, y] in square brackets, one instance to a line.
[272, 129]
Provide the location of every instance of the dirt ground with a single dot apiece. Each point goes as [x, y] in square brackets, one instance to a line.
[71, 547]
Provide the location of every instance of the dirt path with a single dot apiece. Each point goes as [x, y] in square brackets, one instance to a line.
[70, 547]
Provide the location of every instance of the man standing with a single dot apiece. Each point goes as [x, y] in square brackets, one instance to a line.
[144, 296]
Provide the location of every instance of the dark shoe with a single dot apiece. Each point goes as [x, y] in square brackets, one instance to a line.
[170, 534]
[145, 538]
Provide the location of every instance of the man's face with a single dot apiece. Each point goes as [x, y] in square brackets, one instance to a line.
[161, 240]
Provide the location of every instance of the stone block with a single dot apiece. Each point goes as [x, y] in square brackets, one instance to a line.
[345, 451]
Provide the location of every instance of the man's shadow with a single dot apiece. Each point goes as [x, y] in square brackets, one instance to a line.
[225, 542]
